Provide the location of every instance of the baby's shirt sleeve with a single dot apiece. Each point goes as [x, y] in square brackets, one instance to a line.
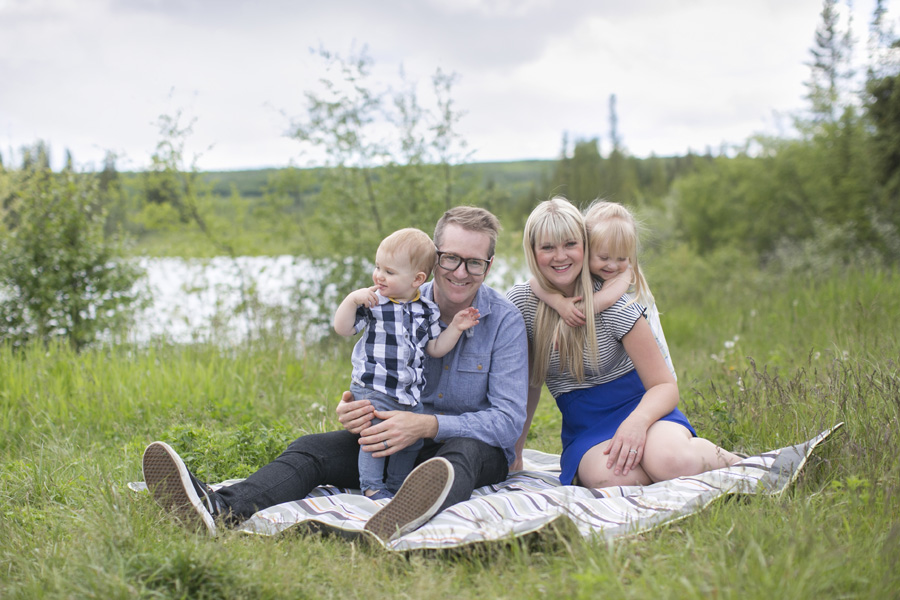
[363, 316]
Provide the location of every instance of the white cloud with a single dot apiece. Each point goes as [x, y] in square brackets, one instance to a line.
[94, 75]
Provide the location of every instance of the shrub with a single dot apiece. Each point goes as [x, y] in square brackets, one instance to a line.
[61, 276]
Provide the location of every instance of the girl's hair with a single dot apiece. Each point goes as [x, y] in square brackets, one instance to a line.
[612, 225]
[557, 221]
[414, 245]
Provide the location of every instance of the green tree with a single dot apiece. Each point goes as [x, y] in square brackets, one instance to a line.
[389, 164]
[830, 68]
[60, 277]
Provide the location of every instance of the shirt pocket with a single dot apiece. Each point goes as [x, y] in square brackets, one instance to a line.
[475, 364]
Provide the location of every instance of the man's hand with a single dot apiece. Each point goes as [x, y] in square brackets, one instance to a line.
[396, 431]
[354, 415]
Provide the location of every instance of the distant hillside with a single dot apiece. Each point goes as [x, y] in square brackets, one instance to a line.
[513, 176]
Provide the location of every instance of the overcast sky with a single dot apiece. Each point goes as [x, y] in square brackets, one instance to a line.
[93, 76]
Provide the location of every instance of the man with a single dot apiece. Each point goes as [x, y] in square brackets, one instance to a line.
[474, 411]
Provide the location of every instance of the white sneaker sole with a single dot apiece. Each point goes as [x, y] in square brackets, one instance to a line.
[417, 500]
[170, 484]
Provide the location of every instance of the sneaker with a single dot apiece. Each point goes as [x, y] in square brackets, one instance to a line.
[381, 495]
[417, 500]
[176, 489]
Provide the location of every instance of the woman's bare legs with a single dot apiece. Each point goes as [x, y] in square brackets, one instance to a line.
[593, 472]
[671, 451]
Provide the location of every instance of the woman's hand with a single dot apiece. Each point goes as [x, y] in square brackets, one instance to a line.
[626, 448]
[354, 415]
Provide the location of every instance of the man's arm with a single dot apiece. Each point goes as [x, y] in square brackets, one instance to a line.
[534, 397]
[500, 423]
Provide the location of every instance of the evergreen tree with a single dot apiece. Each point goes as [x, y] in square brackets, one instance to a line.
[830, 67]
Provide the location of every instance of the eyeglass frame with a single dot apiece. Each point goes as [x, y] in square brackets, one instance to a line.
[465, 261]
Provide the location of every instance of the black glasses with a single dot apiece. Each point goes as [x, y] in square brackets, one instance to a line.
[474, 266]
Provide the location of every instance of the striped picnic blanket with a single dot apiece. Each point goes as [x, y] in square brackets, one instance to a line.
[531, 499]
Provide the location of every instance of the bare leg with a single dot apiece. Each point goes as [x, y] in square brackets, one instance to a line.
[593, 473]
[671, 451]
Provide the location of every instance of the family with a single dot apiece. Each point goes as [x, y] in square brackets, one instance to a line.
[447, 375]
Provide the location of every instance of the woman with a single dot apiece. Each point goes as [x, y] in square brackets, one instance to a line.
[618, 399]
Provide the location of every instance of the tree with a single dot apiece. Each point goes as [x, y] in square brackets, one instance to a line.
[60, 276]
[389, 162]
[830, 69]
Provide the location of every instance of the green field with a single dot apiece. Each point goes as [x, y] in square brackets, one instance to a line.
[763, 362]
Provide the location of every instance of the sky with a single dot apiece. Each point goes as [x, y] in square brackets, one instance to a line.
[94, 76]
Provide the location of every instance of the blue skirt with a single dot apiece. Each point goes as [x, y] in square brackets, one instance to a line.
[592, 416]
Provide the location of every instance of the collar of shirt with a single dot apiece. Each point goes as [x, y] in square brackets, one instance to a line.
[482, 302]
[385, 299]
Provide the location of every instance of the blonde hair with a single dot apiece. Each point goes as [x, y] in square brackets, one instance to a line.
[612, 225]
[558, 221]
[470, 218]
[414, 245]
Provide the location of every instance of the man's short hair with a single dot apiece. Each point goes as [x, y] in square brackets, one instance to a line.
[412, 244]
[470, 218]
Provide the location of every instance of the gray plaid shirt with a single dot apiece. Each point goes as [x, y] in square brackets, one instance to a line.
[390, 355]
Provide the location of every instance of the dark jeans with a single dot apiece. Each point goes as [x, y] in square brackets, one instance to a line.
[331, 459]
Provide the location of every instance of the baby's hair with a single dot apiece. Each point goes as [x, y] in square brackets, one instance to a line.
[613, 225]
[412, 244]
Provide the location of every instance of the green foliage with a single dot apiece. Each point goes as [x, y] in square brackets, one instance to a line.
[390, 166]
[61, 276]
[816, 351]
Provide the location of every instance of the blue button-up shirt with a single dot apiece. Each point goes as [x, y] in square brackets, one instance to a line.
[479, 389]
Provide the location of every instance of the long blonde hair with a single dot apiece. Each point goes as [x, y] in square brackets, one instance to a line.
[612, 225]
[558, 221]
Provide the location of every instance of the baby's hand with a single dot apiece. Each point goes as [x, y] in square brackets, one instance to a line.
[569, 313]
[466, 318]
[365, 297]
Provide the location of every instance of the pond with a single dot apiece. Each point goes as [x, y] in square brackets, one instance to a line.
[229, 300]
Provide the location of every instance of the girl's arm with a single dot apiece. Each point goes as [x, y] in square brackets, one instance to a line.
[345, 315]
[660, 398]
[444, 343]
[612, 290]
[570, 314]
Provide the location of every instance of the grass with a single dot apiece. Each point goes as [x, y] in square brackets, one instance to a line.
[809, 353]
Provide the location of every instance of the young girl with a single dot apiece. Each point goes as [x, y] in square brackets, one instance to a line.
[613, 259]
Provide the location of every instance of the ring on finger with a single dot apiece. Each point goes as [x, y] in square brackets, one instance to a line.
[632, 451]
[385, 444]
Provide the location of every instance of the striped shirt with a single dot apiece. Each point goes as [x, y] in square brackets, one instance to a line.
[611, 327]
[389, 357]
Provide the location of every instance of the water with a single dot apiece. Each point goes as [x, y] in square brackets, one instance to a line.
[198, 300]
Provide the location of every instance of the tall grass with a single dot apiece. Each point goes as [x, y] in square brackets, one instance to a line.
[802, 355]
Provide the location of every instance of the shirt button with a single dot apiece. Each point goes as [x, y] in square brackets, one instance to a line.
[479, 367]
[440, 395]
[446, 367]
